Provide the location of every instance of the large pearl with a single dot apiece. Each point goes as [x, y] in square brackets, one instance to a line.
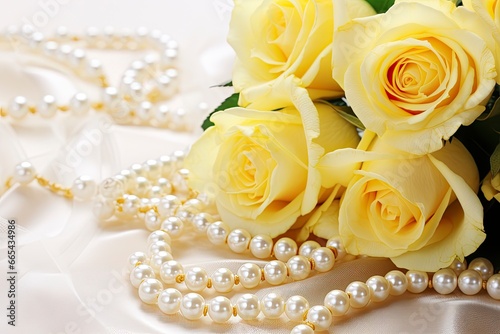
[337, 243]
[323, 258]
[149, 290]
[158, 259]
[444, 281]
[397, 281]
[220, 309]
[238, 240]
[299, 267]
[140, 273]
[418, 281]
[379, 288]
[168, 205]
[272, 305]
[359, 294]
[223, 280]
[169, 301]
[159, 235]
[275, 272]
[493, 286]
[48, 107]
[201, 221]
[483, 266]
[131, 205]
[470, 282]
[84, 188]
[19, 107]
[196, 279]
[250, 275]
[135, 259]
[248, 307]
[192, 306]
[320, 317]
[173, 226]
[217, 233]
[307, 247]
[302, 329]
[80, 103]
[261, 246]
[24, 172]
[152, 220]
[103, 208]
[337, 302]
[157, 247]
[295, 307]
[170, 270]
[458, 266]
[284, 249]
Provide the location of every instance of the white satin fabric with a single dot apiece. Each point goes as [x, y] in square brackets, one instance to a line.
[72, 272]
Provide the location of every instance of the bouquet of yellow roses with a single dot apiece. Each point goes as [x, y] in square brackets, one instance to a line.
[375, 121]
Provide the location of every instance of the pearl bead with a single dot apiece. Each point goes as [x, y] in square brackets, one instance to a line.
[24, 172]
[103, 208]
[337, 302]
[201, 221]
[162, 114]
[223, 280]
[152, 220]
[127, 176]
[80, 103]
[136, 258]
[493, 286]
[111, 188]
[307, 248]
[84, 188]
[19, 107]
[159, 235]
[250, 275]
[164, 185]
[170, 270]
[158, 246]
[158, 259]
[168, 205]
[470, 282]
[238, 240]
[169, 301]
[110, 96]
[152, 167]
[192, 306]
[323, 258]
[179, 180]
[140, 273]
[173, 226]
[196, 279]
[48, 107]
[144, 110]
[320, 317]
[299, 267]
[359, 294]
[295, 307]
[149, 290]
[131, 205]
[220, 309]
[483, 266]
[248, 307]
[302, 329]
[217, 233]
[275, 272]
[397, 281]
[337, 243]
[418, 281]
[142, 186]
[379, 288]
[444, 281]
[261, 246]
[138, 169]
[284, 249]
[272, 305]
[458, 266]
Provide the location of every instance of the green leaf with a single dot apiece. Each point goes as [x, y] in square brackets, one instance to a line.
[381, 6]
[495, 161]
[493, 105]
[226, 84]
[230, 102]
[345, 112]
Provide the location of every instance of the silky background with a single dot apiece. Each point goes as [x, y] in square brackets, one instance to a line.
[72, 272]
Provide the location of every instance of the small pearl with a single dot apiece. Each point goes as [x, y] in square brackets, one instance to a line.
[142, 186]
[379, 288]
[80, 104]
[299, 267]
[173, 226]
[250, 275]
[275, 272]
[444, 281]
[323, 258]
[135, 259]
[149, 290]
[295, 307]
[320, 317]
[103, 208]
[111, 188]
[158, 246]
[84, 188]
[110, 96]
[162, 114]
[418, 281]
[131, 205]
[140, 273]
[24, 173]
[168, 205]
[164, 185]
[284, 249]
[483, 266]
[248, 307]
[359, 294]
[493, 286]
[307, 247]
[261, 246]
[238, 240]
[217, 233]
[139, 170]
[167, 163]
[186, 213]
[153, 168]
[94, 67]
[337, 302]
[272, 305]
[169, 301]
[48, 107]
[19, 107]
[128, 179]
[196, 279]
[77, 57]
[337, 243]
[51, 48]
[170, 270]
[470, 282]
[201, 221]
[398, 282]
[158, 259]
[159, 235]
[220, 309]
[152, 220]
[192, 306]
[223, 280]
[302, 329]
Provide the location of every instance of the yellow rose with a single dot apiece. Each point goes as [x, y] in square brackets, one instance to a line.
[491, 187]
[274, 39]
[260, 166]
[415, 74]
[420, 211]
